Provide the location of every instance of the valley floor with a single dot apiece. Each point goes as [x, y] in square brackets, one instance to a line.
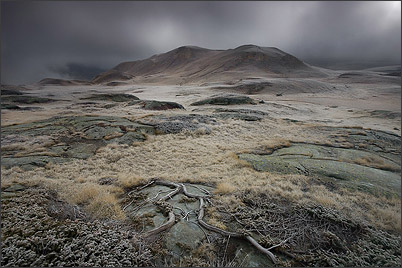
[314, 177]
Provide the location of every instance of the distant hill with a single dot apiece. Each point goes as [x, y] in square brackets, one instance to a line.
[195, 64]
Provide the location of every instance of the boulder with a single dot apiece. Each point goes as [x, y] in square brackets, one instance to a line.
[160, 105]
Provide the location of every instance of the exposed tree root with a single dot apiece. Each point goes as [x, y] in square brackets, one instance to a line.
[181, 188]
[164, 226]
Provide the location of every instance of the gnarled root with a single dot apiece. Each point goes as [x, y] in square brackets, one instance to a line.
[164, 226]
[181, 188]
[237, 235]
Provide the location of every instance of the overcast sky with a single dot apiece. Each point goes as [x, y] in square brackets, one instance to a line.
[79, 39]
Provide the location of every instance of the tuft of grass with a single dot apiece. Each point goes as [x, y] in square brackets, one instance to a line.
[105, 206]
[98, 201]
[276, 144]
[224, 188]
[375, 162]
[127, 181]
[215, 222]
[80, 179]
[270, 146]
[86, 193]
[239, 162]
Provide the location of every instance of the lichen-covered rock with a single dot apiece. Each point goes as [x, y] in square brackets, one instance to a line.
[345, 166]
[160, 105]
[229, 99]
[60, 139]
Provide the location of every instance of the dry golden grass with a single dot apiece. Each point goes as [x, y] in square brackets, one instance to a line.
[207, 159]
[388, 218]
[13, 147]
[239, 162]
[126, 180]
[224, 188]
[216, 223]
[80, 180]
[213, 216]
[85, 193]
[376, 162]
[113, 135]
[97, 201]
[105, 206]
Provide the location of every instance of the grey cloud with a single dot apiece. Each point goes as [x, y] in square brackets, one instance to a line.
[77, 71]
[41, 39]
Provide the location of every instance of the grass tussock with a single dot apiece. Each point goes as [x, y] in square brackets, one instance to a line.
[127, 181]
[276, 144]
[270, 146]
[86, 193]
[213, 218]
[105, 206]
[98, 201]
[240, 163]
[375, 162]
[224, 188]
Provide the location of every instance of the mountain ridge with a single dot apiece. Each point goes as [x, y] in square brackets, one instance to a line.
[188, 64]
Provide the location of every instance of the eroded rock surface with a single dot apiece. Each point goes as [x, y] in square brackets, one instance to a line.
[367, 160]
[60, 139]
[228, 99]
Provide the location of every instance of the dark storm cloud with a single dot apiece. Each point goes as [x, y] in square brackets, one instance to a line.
[64, 39]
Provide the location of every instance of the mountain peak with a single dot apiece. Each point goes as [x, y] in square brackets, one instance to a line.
[193, 63]
[189, 47]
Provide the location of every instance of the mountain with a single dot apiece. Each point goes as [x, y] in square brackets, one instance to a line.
[189, 64]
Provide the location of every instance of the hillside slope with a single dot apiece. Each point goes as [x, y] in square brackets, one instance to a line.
[194, 64]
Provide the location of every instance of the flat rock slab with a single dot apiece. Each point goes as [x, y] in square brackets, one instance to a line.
[368, 139]
[348, 167]
[60, 139]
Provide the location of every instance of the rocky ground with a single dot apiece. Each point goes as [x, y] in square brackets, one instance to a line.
[201, 175]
